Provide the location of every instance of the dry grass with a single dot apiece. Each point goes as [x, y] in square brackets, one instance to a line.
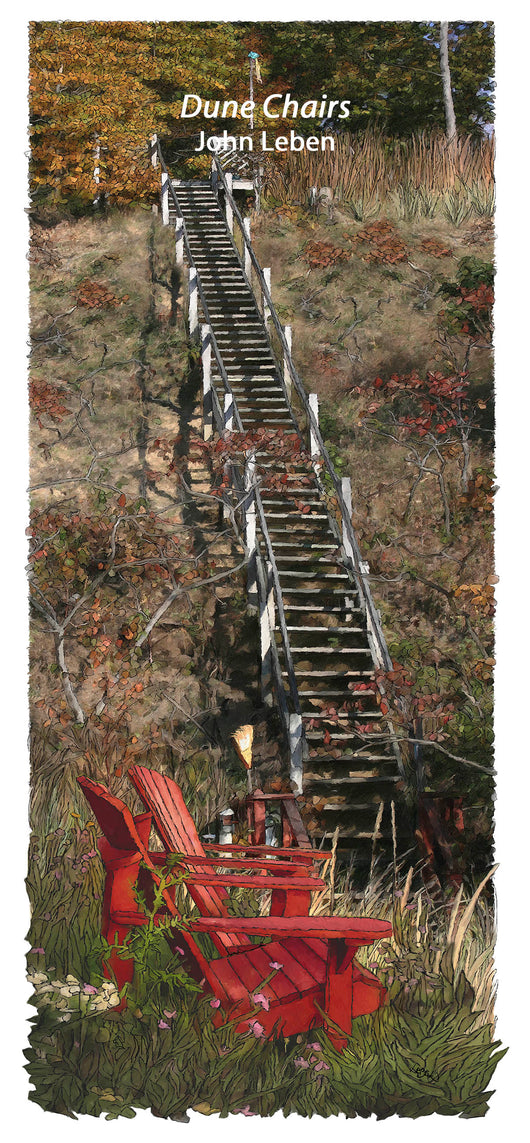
[448, 940]
[121, 378]
[365, 171]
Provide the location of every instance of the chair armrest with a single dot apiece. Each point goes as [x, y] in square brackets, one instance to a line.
[304, 856]
[355, 931]
[255, 881]
[281, 867]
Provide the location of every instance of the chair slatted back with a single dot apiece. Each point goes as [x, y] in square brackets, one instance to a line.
[120, 830]
[175, 826]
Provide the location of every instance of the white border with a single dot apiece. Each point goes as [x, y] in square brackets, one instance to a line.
[508, 1107]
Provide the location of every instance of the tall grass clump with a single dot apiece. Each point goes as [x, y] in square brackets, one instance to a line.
[429, 1049]
[416, 175]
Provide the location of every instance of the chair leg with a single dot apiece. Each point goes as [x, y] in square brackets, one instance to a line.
[351, 991]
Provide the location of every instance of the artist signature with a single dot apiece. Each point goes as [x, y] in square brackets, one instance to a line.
[422, 1073]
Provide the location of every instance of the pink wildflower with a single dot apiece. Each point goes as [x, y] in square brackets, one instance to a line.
[322, 1067]
[301, 1063]
[90, 989]
[275, 965]
[162, 1024]
[256, 1028]
[244, 1111]
[170, 1015]
[215, 1003]
[259, 998]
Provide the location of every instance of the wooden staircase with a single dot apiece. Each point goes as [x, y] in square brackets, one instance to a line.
[352, 776]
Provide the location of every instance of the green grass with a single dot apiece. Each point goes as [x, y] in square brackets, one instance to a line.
[429, 1049]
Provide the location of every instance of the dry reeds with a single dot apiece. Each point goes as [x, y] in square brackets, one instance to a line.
[365, 170]
[432, 942]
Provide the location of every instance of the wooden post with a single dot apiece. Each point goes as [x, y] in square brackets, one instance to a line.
[179, 242]
[246, 252]
[154, 150]
[228, 205]
[250, 533]
[226, 827]
[345, 485]
[229, 413]
[214, 177]
[266, 629]
[296, 751]
[193, 316]
[207, 402]
[258, 816]
[313, 443]
[164, 197]
[226, 472]
[97, 156]
[288, 331]
[265, 307]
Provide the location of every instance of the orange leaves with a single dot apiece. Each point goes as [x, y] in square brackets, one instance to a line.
[93, 295]
[384, 241]
[435, 249]
[479, 495]
[481, 299]
[324, 363]
[322, 254]
[46, 400]
[479, 597]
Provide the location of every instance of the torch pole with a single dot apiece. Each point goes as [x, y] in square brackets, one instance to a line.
[251, 94]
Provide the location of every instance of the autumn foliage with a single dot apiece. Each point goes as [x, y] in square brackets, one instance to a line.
[323, 254]
[383, 242]
[98, 91]
[93, 295]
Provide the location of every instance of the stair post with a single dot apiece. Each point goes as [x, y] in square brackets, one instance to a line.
[214, 176]
[345, 486]
[266, 630]
[207, 402]
[264, 305]
[288, 332]
[227, 472]
[313, 443]
[193, 315]
[246, 252]
[154, 150]
[164, 197]
[228, 205]
[179, 242]
[296, 751]
[229, 413]
[250, 533]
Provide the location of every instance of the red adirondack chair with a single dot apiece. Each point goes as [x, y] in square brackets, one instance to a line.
[304, 974]
[162, 797]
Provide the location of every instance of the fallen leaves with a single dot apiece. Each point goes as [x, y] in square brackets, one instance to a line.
[94, 295]
[320, 255]
[384, 241]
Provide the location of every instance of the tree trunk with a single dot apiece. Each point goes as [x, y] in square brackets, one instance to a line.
[450, 121]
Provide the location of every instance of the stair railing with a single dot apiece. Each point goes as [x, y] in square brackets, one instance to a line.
[353, 551]
[291, 719]
[267, 576]
[168, 192]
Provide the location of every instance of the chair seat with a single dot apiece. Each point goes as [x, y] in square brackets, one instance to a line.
[303, 972]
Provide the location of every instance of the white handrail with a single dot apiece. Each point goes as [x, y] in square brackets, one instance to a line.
[383, 654]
